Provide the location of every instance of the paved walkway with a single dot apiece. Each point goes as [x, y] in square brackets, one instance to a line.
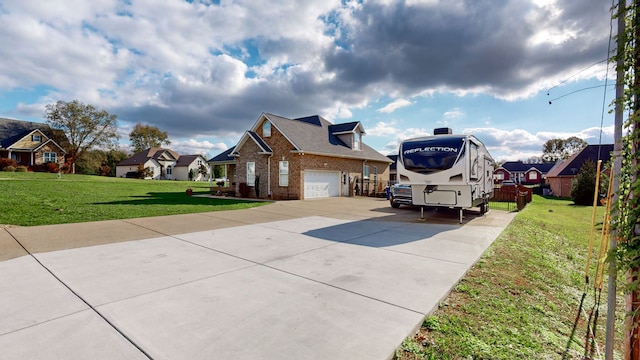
[340, 278]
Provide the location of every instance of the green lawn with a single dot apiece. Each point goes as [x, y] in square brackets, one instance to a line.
[29, 199]
[520, 300]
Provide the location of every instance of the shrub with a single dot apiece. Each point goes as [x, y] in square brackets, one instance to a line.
[585, 184]
[4, 162]
[9, 168]
[21, 169]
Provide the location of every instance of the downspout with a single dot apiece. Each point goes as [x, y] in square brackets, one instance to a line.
[364, 162]
[269, 175]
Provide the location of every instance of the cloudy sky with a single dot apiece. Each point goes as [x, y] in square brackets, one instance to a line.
[205, 70]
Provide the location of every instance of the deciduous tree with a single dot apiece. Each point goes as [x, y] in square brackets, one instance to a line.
[145, 136]
[85, 127]
[559, 149]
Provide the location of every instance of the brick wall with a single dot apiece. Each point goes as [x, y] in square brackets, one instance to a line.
[282, 150]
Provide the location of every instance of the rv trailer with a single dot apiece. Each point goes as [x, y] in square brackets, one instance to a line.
[444, 170]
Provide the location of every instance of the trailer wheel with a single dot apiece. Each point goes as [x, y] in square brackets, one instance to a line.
[484, 207]
[394, 204]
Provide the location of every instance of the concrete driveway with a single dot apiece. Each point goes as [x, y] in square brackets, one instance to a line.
[339, 278]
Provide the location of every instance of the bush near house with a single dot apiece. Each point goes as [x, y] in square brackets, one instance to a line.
[4, 162]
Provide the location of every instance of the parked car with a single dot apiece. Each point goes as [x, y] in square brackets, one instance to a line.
[508, 183]
[400, 194]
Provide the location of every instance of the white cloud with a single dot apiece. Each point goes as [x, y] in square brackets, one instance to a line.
[395, 105]
[383, 129]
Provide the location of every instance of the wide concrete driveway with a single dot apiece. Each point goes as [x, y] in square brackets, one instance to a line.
[340, 278]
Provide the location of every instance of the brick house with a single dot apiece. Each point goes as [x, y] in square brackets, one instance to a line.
[522, 173]
[560, 178]
[30, 143]
[305, 158]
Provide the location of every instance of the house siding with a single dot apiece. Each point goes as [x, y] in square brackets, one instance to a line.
[561, 185]
[268, 170]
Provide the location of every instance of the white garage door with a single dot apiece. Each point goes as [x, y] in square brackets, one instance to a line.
[318, 184]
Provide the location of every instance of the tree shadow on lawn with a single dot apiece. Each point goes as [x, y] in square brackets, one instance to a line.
[174, 198]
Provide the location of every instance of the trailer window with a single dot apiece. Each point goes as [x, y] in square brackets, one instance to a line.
[474, 173]
[431, 155]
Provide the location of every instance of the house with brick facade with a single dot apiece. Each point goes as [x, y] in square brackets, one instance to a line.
[30, 144]
[561, 177]
[522, 173]
[304, 158]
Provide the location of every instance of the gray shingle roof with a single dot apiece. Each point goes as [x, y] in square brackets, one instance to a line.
[150, 153]
[313, 135]
[13, 130]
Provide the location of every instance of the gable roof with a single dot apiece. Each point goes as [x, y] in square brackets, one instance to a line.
[225, 156]
[572, 165]
[316, 135]
[186, 160]
[154, 153]
[519, 166]
[13, 130]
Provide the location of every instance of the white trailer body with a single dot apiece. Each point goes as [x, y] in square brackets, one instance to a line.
[447, 170]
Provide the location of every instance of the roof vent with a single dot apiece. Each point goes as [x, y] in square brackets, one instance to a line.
[442, 131]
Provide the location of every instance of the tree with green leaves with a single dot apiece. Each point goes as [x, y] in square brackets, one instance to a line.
[584, 185]
[560, 149]
[85, 127]
[146, 136]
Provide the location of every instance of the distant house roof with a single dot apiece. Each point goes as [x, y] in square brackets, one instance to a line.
[13, 130]
[186, 160]
[519, 166]
[572, 165]
[154, 153]
[316, 135]
[223, 157]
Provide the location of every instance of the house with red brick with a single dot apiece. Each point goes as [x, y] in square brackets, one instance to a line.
[304, 158]
[561, 177]
[522, 173]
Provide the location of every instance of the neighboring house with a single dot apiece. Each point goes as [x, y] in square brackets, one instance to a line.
[305, 158]
[522, 173]
[29, 143]
[393, 169]
[228, 164]
[560, 178]
[164, 164]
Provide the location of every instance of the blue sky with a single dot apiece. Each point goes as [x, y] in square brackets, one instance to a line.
[204, 71]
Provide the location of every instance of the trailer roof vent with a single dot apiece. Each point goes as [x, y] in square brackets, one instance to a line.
[442, 131]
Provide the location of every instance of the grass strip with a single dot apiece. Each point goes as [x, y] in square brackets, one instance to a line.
[520, 300]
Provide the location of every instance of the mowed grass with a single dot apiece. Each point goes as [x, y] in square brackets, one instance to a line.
[29, 199]
[520, 300]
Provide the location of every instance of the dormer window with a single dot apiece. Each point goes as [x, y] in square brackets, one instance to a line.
[36, 138]
[357, 140]
[266, 129]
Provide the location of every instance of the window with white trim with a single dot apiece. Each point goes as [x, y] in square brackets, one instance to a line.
[533, 175]
[365, 172]
[251, 173]
[357, 140]
[283, 171]
[169, 170]
[36, 137]
[50, 157]
[266, 129]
